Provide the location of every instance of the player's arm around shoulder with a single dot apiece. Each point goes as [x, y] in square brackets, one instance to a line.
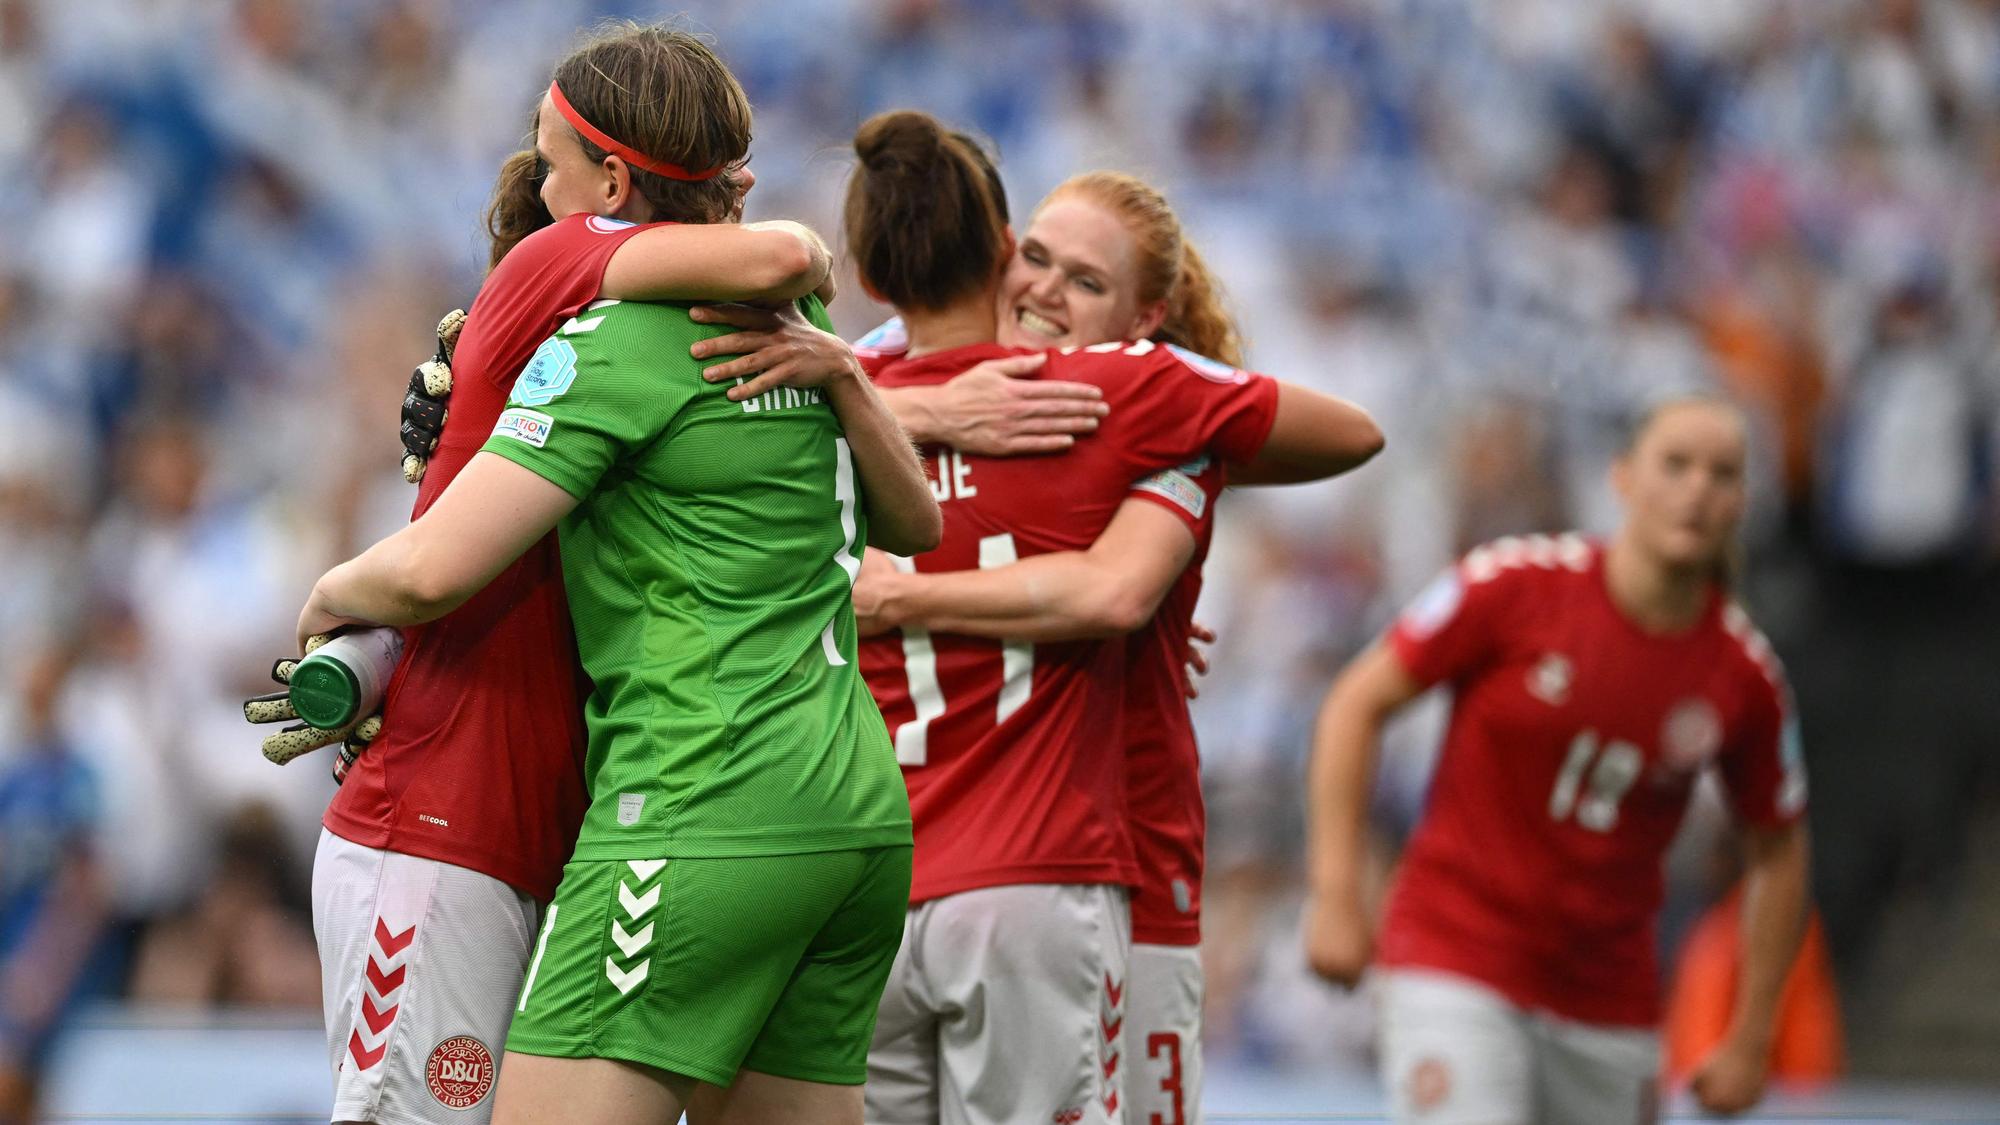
[792, 347]
[1313, 436]
[903, 515]
[776, 260]
[1000, 408]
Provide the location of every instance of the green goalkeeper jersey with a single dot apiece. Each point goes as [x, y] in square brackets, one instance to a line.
[708, 566]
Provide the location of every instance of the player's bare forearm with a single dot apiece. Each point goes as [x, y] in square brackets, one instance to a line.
[1775, 888]
[915, 409]
[998, 408]
[903, 516]
[1340, 773]
[1111, 589]
[1045, 598]
[493, 511]
[1339, 927]
[1314, 436]
[769, 261]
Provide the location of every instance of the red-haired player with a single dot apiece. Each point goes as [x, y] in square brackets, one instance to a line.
[1593, 682]
[1104, 258]
[1006, 1002]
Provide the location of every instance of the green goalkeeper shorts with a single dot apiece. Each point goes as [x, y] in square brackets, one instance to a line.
[703, 967]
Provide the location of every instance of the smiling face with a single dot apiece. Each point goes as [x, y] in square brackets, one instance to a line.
[1074, 280]
[1682, 483]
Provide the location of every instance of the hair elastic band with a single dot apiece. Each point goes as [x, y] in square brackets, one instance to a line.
[630, 155]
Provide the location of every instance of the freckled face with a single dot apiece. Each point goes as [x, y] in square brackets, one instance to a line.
[1073, 280]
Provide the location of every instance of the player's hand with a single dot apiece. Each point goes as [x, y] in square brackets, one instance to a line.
[999, 409]
[424, 405]
[1196, 657]
[873, 612]
[1339, 938]
[298, 739]
[773, 348]
[317, 622]
[1731, 1079]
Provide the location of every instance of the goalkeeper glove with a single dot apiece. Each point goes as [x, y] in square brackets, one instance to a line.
[299, 739]
[424, 409]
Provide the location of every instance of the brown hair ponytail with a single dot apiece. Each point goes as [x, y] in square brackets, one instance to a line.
[516, 210]
[925, 217]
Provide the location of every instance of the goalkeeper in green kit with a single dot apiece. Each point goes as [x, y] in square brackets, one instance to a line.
[738, 888]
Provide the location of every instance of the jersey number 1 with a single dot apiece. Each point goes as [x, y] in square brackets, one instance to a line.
[845, 557]
[1017, 667]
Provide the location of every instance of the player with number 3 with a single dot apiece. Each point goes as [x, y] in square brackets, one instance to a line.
[1007, 1002]
[1592, 683]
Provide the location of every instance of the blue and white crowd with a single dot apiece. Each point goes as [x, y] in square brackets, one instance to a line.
[1500, 226]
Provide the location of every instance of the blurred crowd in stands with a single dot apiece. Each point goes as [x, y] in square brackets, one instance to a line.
[1501, 226]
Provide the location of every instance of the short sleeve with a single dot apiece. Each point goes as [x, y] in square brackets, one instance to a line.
[1188, 491]
[1452, 627]
[576, 410]
[559, 269]
[1183, 404]
[1763, 763]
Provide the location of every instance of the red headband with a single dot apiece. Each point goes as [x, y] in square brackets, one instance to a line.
[630, 155]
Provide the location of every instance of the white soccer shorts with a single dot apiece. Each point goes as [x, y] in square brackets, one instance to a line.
[1005, 1005]
[420, 965]
[1455, 1052]
[1163, 1032]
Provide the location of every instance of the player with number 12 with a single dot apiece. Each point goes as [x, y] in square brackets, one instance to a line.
[1592, 684]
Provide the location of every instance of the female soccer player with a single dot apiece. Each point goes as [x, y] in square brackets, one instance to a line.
[459, 818]
[1013, 752]
[1104, 259]
[1592, 683]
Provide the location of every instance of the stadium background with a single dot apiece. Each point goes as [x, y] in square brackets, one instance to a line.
[228, 224]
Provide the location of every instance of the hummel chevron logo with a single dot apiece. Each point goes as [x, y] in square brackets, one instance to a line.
[625, 981]
[393, 944]
[384, 983]
[378, 1012]
[630, 944]
[636, 905]
[378, 1021]
[362, 1056]
[1115, 991]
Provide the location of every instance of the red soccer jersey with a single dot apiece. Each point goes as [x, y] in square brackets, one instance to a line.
[1014, 752]
[1575, 739]
[1162, 763]
[480, 761]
